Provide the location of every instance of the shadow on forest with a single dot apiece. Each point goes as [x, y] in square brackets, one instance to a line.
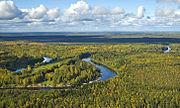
[13, 62]
[89, 38]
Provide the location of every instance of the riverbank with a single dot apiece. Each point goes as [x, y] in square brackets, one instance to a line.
[106, 73]
[104, 66]
[60, 86]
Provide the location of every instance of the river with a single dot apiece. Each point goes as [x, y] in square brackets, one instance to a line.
[18, 70]
[106, 73]
[46, 60]
[167, 49]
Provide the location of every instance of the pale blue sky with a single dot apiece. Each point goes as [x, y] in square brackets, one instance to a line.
[127, 22]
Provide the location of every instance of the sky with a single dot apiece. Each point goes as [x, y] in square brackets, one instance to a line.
[89, 15]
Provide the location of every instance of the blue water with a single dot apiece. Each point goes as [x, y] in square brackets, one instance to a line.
[46, 59]
[167, 49]
[45, 88]
[106, 73]
[20, 70]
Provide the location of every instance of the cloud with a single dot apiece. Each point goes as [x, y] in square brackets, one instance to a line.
[118, 10]
[82, 12]
[80, 7]
[11, 17]
[37, 13]
[77, 12]
[8, 10]
[100, 11]
[53, 13]
[176, 1]
[165, 11]
[140, 12]
[41, 13]
[177, 13]
[82, 16]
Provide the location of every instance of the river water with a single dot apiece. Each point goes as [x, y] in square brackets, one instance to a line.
[167, 49]
[106, 73]
[46, 60]
[18, 70]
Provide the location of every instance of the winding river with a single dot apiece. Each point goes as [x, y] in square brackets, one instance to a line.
[106, 73]
[46, 60]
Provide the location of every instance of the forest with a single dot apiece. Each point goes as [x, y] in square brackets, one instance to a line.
[146, 76]
[95, 37]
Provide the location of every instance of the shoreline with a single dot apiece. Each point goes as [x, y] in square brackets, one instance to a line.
[104, 66]
[58, 86]
[39, 87]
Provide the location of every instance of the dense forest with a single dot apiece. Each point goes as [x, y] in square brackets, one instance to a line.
[106, 37]
[146, 76]
[65, 69]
